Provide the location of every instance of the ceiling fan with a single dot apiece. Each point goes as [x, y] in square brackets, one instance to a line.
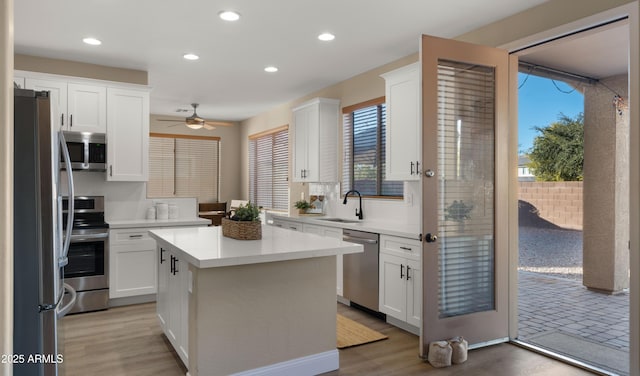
[196, 122]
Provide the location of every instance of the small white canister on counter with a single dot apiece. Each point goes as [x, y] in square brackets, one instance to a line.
[173, 211]
[162, 210]
[151, 213]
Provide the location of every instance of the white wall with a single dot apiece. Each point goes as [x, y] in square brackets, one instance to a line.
[6, 182]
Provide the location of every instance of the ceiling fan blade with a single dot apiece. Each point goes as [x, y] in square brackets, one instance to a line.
[208, 126]
[168, 120]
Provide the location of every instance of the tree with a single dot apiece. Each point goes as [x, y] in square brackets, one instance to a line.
[558, 152]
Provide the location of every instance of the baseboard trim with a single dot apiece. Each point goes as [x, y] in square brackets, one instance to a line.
[308, 365]
[130, 300]
[403, 325]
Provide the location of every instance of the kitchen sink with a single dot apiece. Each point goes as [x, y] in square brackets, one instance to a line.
[340, 220]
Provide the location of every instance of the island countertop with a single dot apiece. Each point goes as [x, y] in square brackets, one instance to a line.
[205, 247]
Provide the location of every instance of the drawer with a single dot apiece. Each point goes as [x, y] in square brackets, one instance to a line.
[126, 237]
[410, 248]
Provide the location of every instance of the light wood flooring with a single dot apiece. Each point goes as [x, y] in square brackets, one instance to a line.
[127, 341]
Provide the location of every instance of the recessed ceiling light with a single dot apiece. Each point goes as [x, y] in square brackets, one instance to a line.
[326, 37]
[229, 15]
[191, 56]
[92, 41]
[271, 69]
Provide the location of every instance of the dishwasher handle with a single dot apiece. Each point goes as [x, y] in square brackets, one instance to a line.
[352, 239]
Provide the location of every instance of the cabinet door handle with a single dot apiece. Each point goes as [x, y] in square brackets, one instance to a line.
[171, 269]
[405, 248]
[408, 269]
[175, 265]
[401, 271]
[71, 120]
[162, 260]
[61, 119]
[417, 168]
[411, 168]
[135, 236]
[110, 170]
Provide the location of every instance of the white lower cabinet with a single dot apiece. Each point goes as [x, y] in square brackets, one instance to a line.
[172, 306]
[289, 225]
[132, 263]
[335, 233]
[401, 278]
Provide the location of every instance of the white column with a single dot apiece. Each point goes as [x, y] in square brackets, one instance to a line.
[606, 187]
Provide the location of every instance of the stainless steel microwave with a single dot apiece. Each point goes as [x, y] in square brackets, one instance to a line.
[87, 151]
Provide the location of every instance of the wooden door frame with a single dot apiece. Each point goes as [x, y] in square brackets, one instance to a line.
[632, 11]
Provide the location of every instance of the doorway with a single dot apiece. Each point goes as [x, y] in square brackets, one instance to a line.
[580, 311]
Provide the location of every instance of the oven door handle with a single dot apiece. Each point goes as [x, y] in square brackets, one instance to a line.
[88, 237]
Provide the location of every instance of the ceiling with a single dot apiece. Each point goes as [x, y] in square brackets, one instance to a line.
[228, 80]
[596, 53]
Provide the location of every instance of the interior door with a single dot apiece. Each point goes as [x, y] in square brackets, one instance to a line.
[465, 191]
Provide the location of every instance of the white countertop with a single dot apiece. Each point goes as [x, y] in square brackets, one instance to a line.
[132, 223]
[205, 247]
[390, 227]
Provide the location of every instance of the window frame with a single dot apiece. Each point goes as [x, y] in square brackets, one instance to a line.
[348, 111]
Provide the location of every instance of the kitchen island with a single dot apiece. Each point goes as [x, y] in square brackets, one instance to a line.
[249, 307]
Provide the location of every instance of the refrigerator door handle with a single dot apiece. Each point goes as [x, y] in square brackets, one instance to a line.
[64, 260]
[62, 311]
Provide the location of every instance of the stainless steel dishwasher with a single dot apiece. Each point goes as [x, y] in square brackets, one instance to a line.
[361, 270]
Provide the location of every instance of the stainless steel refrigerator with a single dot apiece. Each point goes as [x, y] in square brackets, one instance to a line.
[40, 246]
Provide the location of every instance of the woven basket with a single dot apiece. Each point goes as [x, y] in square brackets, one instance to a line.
[242, 230]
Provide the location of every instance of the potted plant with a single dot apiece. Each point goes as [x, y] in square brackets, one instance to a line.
[302, 206]
[244, 224]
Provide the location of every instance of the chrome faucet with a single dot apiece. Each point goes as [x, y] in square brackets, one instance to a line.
[358, 212]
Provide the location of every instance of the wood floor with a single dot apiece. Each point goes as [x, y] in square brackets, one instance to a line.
[127, 341]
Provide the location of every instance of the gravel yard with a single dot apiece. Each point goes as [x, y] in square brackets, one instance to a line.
[554, 252]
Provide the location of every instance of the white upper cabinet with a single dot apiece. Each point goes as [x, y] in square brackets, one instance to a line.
[80, 107]
[404, 123]
[127, 135]
[87, 107]
[58, 94]
[315, 147]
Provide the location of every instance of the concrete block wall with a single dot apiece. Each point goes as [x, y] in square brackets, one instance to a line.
[557, 202]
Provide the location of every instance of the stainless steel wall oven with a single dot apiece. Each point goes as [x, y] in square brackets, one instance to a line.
[88, 268]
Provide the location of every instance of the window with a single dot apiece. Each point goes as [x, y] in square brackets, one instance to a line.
[269, 169]
[363, 163]
[183, 166]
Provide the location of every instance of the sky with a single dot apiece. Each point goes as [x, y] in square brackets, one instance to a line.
[540, 104]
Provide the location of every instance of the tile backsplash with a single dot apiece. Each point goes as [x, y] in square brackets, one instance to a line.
[125, 200]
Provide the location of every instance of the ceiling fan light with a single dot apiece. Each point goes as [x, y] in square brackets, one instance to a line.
[194, 125]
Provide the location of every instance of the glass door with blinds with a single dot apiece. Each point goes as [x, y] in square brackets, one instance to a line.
[465, 259]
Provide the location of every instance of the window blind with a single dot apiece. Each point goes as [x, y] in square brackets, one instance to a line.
[269, 169]
[466, 188]
[364, 147]
[184, 167]
[161, 167]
